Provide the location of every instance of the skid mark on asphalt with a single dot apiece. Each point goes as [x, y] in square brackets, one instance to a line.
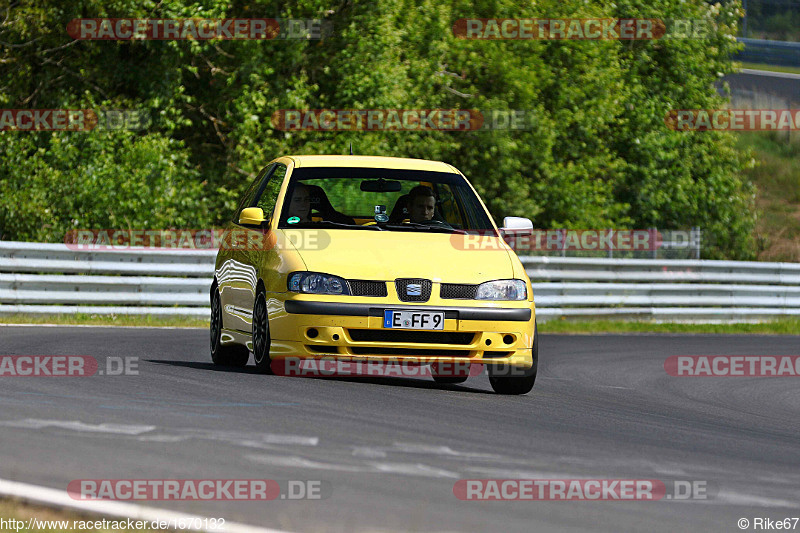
[159, 401]
[505, 473]
[424, 449]
[155, 434]
[302, 462]
[407, 469]
[406, 447]
[416, 469]
[368, 451]
[150, 408]
[246, 439]
[17, 401]
[444, 462]
[426, 460]
[367, 459]
[75, 425]
[736, 498]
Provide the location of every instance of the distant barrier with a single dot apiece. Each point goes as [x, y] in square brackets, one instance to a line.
[54, 279]
[769, 52]
[692, 290]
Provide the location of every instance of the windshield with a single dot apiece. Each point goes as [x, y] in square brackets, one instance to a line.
[382, 199]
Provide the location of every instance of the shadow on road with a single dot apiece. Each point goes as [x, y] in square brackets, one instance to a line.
[387, 381]
[205, 366]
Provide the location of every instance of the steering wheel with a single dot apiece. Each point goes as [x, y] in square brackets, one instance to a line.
[435, 222]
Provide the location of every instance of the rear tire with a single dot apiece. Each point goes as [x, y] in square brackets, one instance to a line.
[224, 354]
[518, 384]
[261, 338]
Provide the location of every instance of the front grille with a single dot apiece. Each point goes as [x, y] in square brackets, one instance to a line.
[363, 287]
[428, 337]
[359, 350]
[458, 291]
[402, 287]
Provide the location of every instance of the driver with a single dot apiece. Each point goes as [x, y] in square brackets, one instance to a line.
[421, 204]
[300, 204]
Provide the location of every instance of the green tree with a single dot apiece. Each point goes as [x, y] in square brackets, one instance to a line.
[597, 154]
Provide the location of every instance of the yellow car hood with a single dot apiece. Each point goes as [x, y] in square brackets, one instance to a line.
[386, 255]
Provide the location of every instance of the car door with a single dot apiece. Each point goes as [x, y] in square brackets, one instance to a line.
[260, 257]
[234, 274]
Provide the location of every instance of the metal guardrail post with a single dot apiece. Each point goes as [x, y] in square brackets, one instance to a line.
[697, 235]
[653, 233]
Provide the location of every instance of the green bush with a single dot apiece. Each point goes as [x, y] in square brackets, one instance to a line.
[54, 182]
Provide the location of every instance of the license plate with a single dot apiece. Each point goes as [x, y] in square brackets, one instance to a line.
[413, 319]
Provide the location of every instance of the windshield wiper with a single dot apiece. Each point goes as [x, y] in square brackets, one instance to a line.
[414, 225]
[329, 223]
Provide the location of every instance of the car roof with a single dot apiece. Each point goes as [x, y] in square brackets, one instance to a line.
[365, 161]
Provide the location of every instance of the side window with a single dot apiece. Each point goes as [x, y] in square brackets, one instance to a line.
[249, 194]
[268, 196]
[447, 206]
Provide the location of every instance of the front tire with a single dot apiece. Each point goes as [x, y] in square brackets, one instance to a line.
[261, 338]
[222, 354]
[518, 384]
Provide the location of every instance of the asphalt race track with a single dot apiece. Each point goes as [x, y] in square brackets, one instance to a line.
[389, 450]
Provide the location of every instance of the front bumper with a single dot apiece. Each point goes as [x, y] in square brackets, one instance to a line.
[354, 331]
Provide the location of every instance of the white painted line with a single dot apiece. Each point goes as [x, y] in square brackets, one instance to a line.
[769, 73]
[60, 499]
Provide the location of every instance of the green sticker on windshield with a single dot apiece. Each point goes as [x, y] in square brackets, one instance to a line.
[293, 220]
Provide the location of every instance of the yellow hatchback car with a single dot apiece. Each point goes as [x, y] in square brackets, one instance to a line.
[358, 258]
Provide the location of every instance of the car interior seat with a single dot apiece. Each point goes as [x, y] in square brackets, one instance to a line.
[322, 205]
[400, 210]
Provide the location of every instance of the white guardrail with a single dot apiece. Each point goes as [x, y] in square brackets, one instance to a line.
[52, 278]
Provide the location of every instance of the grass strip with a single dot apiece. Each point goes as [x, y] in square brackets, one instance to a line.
[783, 326]
[85, 319]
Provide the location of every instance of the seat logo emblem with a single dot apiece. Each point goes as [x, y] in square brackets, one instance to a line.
[413, 289]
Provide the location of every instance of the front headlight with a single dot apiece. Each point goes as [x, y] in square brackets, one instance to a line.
[316, 283]
[502, 289]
